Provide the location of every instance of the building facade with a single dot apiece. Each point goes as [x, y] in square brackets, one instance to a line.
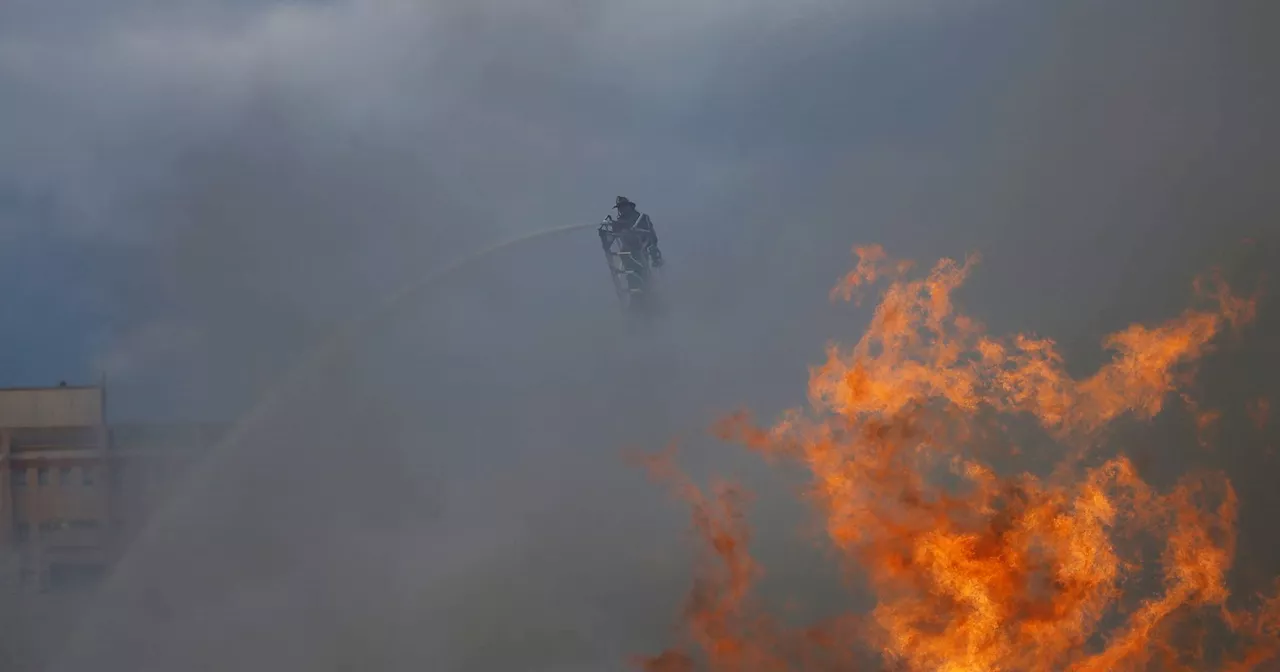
[73, 490]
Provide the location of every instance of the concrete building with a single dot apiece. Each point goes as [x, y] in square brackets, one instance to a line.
[74, 490]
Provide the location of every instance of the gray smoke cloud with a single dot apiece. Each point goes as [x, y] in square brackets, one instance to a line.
[243, 177]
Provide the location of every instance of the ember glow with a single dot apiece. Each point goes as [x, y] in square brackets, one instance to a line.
[968, 485]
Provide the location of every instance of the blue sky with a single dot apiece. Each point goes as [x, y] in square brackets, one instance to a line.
[190, 192]
[55, 321]
[163, 158]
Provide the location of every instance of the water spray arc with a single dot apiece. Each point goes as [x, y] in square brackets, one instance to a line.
[334, 344]
[351, 332]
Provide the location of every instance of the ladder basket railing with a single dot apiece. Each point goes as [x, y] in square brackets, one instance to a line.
[628, 259]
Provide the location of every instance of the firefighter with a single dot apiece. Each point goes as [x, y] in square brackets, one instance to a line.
[630, 219]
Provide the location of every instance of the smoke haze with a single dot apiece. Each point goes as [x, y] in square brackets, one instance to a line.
[193, 194]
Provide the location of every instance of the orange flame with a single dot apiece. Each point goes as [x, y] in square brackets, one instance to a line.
[973, 569]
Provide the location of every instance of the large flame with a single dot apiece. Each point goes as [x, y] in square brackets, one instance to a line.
[974, 566]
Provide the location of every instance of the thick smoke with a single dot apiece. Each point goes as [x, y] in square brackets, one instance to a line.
[222, 184]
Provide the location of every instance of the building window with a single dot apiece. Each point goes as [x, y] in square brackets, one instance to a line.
[64, 476]
[24, 532]
[18, 477]
[87, 475]
[42, 476]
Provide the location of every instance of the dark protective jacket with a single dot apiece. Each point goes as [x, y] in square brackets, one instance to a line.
[632, 219]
